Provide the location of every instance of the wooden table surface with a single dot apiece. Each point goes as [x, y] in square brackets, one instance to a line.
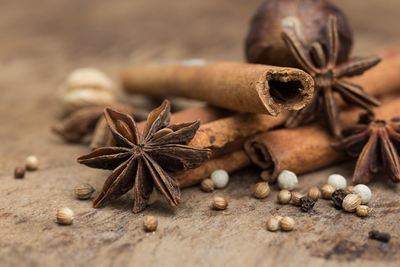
[42, 41]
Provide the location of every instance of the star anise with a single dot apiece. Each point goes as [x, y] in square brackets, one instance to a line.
[321, 62]
[142, 163]
[376, 143]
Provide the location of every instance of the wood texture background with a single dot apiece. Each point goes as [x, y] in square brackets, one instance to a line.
[42, 41]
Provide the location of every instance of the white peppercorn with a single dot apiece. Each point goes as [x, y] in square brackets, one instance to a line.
[287, 180]
[220, 178]
[338, 181]
[364, 192]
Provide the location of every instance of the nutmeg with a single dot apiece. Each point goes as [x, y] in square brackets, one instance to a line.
[264, 43]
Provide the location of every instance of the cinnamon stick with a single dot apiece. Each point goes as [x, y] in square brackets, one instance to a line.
[236, 86]
[307, 148]
[230, 162]
[383, 78]
[228, 134]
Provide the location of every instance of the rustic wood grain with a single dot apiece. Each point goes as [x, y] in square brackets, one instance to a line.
[41, 41]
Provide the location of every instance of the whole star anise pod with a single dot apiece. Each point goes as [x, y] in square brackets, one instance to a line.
[320, 61]
[142, 162]
[376, 143]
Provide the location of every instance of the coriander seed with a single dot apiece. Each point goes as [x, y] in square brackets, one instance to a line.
[32, 163]
[273, 224]
[314, 193]
[306, 204]
[351, 202]
[83, 191]
[65, 216]
[349, 189]
[207, 185]
[296, 196]
[362, 210]
[327, 191]
[287, 223]
[261, 190]
[284, 196]
[220, 203]
[19, 172]
[150, 223]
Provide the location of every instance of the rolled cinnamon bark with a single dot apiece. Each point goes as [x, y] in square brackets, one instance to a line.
[383, 78]
[230, 162]
[228, 134]
[236, 86]
[307, 148]
[103, 137]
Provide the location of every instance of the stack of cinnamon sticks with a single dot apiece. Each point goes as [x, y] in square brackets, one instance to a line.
[240, 139]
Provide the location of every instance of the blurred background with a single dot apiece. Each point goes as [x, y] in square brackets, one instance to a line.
[41, 42]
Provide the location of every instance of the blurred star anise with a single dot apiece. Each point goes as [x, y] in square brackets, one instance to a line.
[376, 143]
[320, 61]
[142, 163]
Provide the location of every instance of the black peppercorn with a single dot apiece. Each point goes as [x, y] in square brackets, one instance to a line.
[384, 237]
[338, 196]
[306, 204]
[19, 172]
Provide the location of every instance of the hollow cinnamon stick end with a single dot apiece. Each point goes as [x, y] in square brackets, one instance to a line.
[286, 89]
[261, 156]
